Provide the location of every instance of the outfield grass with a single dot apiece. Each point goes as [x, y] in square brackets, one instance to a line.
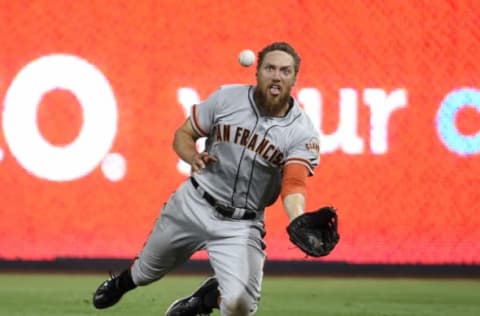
[63, 294]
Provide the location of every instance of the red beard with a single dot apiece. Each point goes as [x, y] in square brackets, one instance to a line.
[271, 105]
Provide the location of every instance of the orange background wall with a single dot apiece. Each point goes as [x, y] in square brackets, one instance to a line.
[417, 202]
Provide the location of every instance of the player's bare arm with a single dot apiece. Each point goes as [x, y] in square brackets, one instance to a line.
[184, 145]
[294, 205]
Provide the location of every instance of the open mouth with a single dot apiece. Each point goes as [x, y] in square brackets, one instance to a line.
[274, 90]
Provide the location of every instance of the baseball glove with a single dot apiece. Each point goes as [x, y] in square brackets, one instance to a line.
[316, 232]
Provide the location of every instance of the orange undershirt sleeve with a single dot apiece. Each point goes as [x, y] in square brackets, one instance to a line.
[294, 179]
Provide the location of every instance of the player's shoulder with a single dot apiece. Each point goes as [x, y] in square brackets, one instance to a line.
[229, 92]
[234, 88]
[301, 124]
[301, 116]
[233, 95]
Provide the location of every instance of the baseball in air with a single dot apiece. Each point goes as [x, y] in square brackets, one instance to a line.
[246, 57]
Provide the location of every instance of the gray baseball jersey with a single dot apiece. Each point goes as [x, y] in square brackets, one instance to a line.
[251, 150]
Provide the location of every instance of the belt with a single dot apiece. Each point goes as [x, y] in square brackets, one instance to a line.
[227, 211]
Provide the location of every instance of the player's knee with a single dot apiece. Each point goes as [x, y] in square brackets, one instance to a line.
[238, 305]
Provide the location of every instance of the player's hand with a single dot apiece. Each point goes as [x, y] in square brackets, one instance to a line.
[201, 160]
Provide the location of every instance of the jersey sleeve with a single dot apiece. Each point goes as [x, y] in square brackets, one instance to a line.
[202, 115]
[305, 151]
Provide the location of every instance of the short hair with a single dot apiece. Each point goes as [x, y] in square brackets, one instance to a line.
[281, 46]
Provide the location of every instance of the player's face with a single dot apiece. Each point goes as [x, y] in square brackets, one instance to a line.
[275, 79]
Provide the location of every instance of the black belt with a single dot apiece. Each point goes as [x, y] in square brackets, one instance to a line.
[227, 211]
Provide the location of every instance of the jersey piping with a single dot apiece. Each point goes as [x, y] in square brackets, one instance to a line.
[195, 124]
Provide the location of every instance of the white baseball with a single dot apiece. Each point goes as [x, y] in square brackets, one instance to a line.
[246, 57]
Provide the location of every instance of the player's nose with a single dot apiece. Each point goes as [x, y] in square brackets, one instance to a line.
[276, 75]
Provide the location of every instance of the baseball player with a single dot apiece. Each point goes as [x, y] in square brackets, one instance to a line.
[260, 145]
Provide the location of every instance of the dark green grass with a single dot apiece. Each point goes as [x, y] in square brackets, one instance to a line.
[70, 294]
